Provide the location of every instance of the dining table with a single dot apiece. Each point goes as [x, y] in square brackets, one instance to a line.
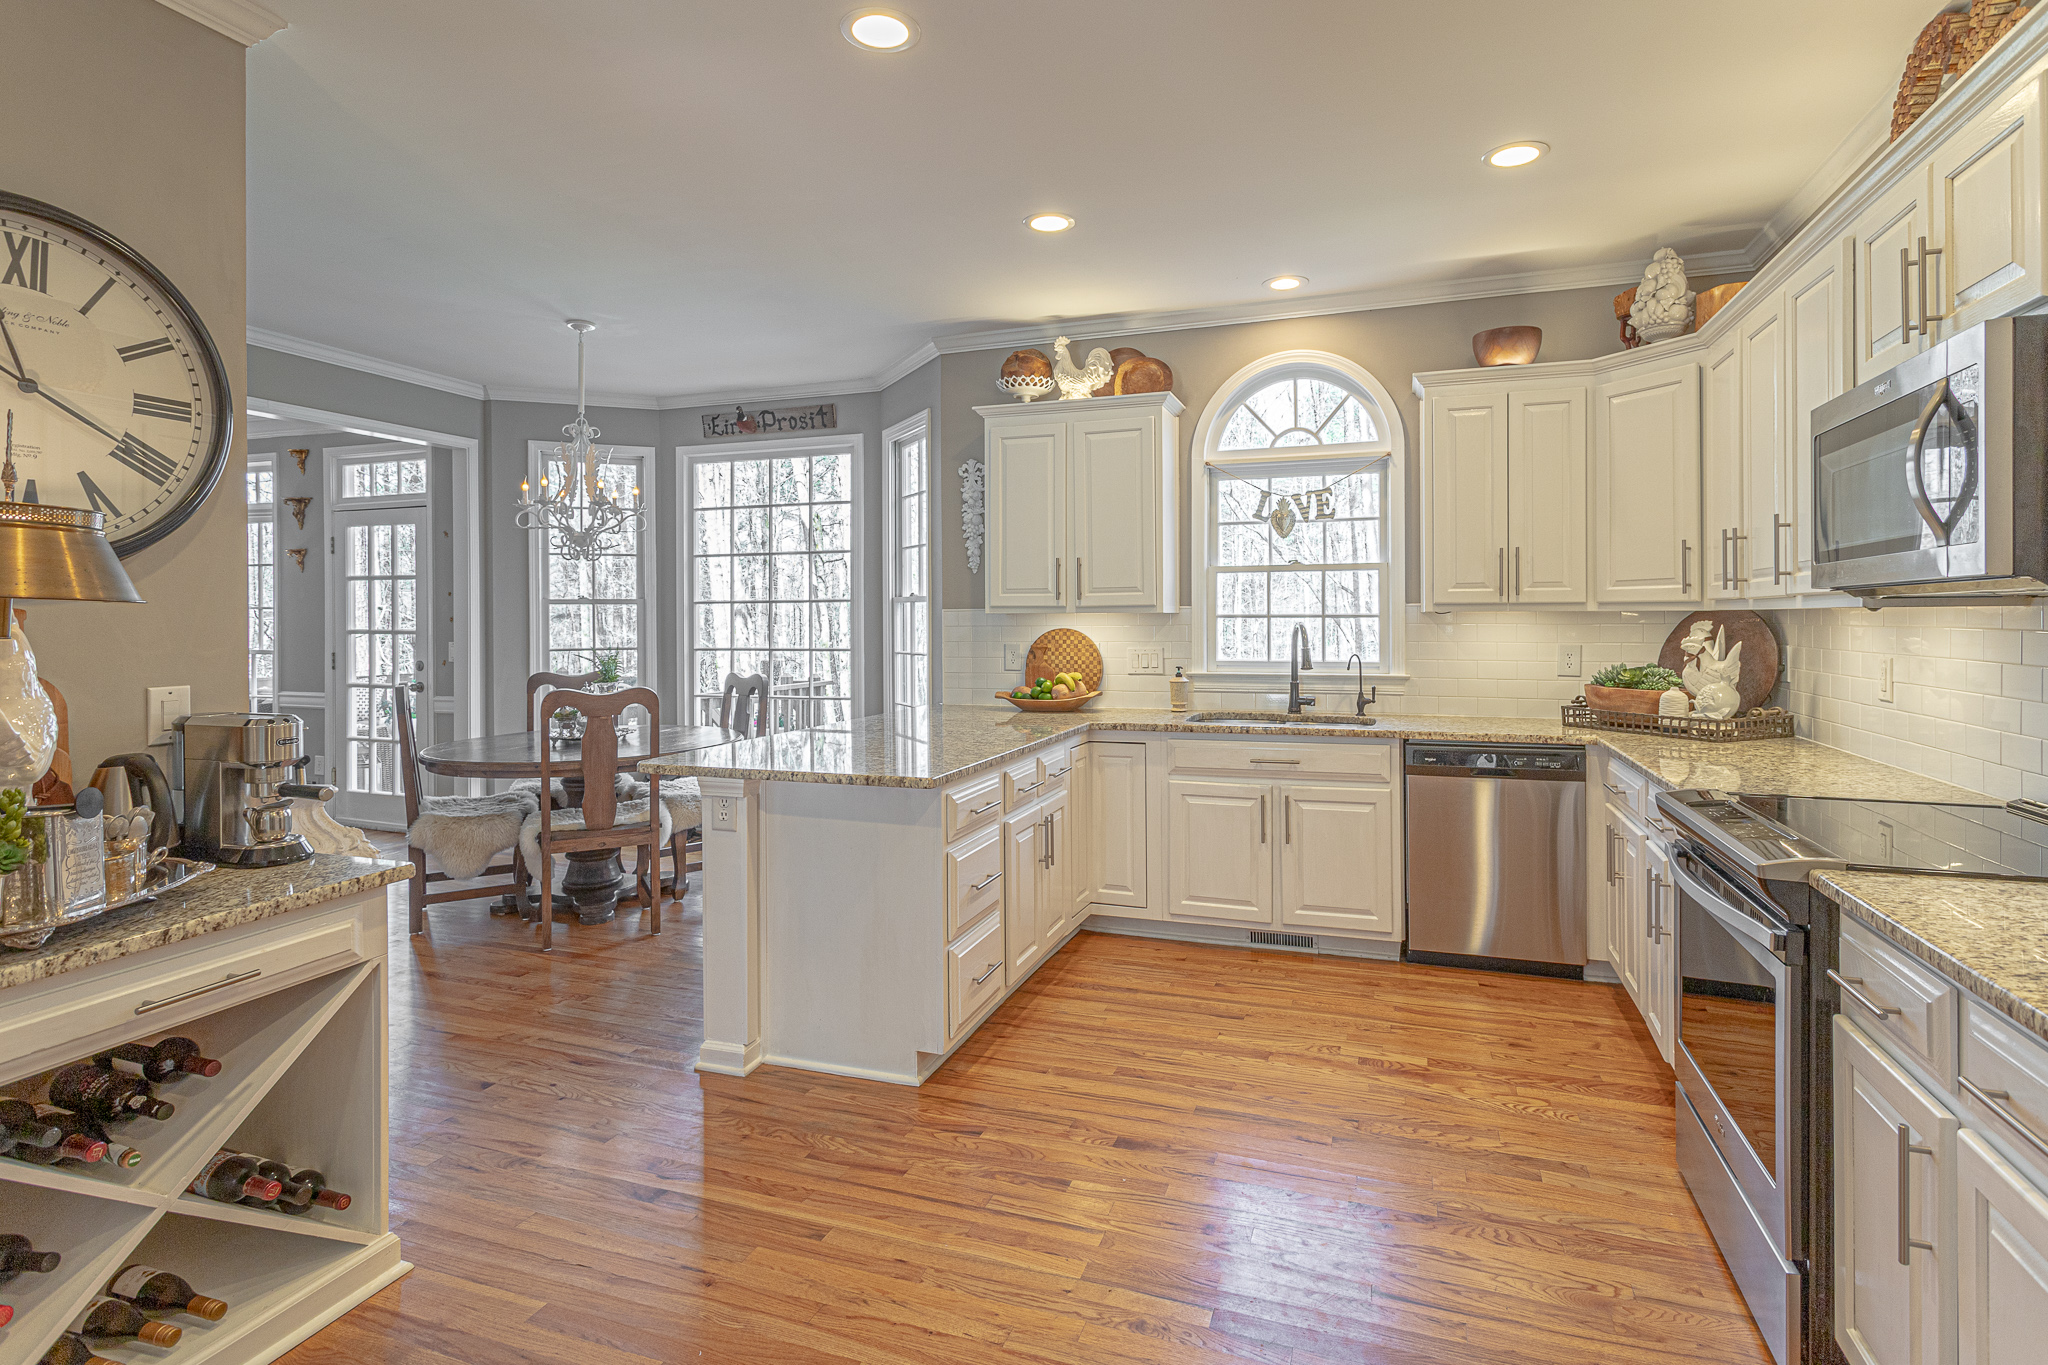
[595, 880]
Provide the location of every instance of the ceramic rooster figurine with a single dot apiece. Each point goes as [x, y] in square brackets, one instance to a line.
[1080, 382]
[1710, 676]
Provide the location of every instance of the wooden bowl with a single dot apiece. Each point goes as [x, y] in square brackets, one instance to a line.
[1507, 345]
[1712, 301]
[1635, 701]
[1073, 703]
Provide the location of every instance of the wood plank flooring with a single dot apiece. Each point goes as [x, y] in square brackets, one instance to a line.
[1153, 1154]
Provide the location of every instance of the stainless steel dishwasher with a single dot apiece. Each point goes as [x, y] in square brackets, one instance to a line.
[1497, 856]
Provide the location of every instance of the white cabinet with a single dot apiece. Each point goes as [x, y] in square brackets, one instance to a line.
[1818, 364]
[1747, 472]
[1658, 1002]
[1646, 487]
[1987, 186]
[1339, 855]
[1220, 857]
[1886, 240]
[1111, 783]
[1507, 479]
[1038, 885]
[1082, 513]
[1621, 865]
[2001, 1259]
[1895, 1153]
[1721, 466]
[1057, 880]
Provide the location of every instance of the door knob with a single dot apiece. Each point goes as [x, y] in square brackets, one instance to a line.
[415, 686]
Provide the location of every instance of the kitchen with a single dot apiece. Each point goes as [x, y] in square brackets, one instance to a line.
[1204, 1019]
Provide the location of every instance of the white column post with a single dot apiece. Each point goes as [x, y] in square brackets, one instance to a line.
[732, 926]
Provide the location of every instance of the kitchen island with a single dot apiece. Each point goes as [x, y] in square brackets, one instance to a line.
[279, 974]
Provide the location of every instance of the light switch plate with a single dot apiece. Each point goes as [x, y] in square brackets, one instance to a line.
[1146, 659]
[1013, 657]
[725, 813]
[1570, 660]
[1884, 678]
[165, 705]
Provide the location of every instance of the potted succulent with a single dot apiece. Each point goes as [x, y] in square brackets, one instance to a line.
[1631, 688]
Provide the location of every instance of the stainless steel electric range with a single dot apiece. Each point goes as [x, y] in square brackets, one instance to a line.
[1756, 950]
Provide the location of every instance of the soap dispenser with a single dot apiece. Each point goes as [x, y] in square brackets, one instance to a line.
[1177, 689]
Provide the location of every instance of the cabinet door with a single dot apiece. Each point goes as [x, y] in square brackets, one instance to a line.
[1760, 553]
[1624, 905]
[1547, 495]
[1887, 330]
[1646, 525]
[1818, 363]
[1220, 854]
[1027, 532]
[1118, 829]
[2001, 1258]
[1338, 858]
[1468, 498]
[1023, 889]
[1113, 508]
[1659, 978]
[1721, 468]
[1056, 894]
[1987, 192]
[1894, 1302]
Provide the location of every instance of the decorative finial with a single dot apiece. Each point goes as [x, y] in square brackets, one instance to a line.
[7, 469]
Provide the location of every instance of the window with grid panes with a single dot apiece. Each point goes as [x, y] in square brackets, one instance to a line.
[772, 559]
[389, 477]
[910, 646]
[598, 607]
[262, 565]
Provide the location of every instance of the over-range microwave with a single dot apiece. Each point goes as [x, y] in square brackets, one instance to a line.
[1931, 481]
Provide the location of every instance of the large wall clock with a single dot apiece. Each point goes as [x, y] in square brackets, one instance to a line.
[120, 401]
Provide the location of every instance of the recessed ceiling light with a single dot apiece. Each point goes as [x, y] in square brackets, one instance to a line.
[879, 30]
[1515, 154]
[1287, 282]
[1049, 222]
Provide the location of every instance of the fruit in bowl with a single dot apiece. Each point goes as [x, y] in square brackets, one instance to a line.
[1058, 686]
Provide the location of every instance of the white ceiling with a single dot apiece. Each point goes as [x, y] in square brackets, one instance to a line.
[744, 201]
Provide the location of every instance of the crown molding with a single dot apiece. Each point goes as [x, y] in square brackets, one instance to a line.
[839, 389]
[916, 360]
[366, 364]
[246, 21]
[518, 393]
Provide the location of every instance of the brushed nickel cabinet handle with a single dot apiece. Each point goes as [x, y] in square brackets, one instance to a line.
[983, 810]
[1518, 571]
[1500, 568]
[1077, 578]
[1282, 761]
[1905, 293]
[1287, 819]
[1262, 819]
[986, 880]
[1725, 534]
[1925, 316]
[1059, 567]
[1849, 986]
[146, 1006]
[1778, 528]
[987, 974]
[1685, 568]
[1998, 1102]
[1908, 1149]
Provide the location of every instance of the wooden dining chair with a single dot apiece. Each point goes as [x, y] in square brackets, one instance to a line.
[744, 704]
[573, 682]
[463, 833]
[603, 821]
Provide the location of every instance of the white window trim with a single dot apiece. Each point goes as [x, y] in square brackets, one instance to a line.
[265, 462]
[854, 443]
[917, 426]
[1392, 445]
[537, 555]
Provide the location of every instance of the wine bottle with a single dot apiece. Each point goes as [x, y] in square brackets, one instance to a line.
[75, 1141]
[159, 1291]
[290, 1193]
[105, 1096]
[231, 1177]
[72, 1350]
[18, 1254]
[113, 1320]
[156, 1063]
[6, 1314]
[18, 1123]
[76, 1126]
[318, 1196]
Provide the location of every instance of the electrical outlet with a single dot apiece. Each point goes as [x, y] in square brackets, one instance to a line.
[1884, 678]
[165, 705]
[725, 811]
[1569, 659]
[1147, 659]
[1013, 658]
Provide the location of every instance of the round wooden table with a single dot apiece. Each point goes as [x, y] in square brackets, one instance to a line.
[592, 886]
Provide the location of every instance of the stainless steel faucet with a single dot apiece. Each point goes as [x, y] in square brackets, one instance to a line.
[1297, 660]
[1363, 700]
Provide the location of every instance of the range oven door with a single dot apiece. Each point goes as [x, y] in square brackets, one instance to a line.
[1741, 1059]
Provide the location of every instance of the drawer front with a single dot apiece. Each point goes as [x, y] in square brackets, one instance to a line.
[1286, 759]
[1626, 787]
[1053, 766]
[974, 880]
[973, 805]
[1904, 1005]
[2003, 1084]
[974, 974]
[156, 990]
[1023, 783]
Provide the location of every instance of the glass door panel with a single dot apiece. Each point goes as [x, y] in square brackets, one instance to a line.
[381, 661]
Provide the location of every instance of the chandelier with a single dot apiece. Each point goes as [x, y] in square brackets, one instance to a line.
[580, 517]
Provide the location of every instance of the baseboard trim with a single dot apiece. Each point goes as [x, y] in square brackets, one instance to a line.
[1327, 945]
[729, 1059]
[859, 1073]
[1602, 972]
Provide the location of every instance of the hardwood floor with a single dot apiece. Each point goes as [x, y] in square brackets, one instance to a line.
[1153, 1153]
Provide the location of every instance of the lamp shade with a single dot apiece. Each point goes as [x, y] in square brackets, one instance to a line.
[59, 554]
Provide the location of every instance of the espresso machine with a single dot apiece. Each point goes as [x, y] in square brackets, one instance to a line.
[239, 770]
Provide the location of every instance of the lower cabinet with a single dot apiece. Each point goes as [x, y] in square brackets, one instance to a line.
[1038, 896]
[1626, 913]
[1642, 924]
[1110, 785]
[974, 973]
[2001, 1259]
[1339, 858]
[1221, 857]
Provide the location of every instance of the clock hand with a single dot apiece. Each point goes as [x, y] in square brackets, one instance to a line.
[20, 371]
[45, 393]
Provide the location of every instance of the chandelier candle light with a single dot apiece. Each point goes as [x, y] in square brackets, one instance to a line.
[580, 515]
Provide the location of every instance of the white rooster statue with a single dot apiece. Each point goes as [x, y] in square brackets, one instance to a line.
[1710, 676]
[1080, 382]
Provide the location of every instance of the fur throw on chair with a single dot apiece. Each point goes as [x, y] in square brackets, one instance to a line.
[679, 795]
[558, 795]
[629, 813]
[463, 832]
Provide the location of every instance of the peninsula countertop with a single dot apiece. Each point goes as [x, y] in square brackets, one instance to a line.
[221, 899]
[947, 743]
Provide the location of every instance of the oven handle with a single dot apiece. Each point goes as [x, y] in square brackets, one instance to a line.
[1731, 914]
[1943, 527]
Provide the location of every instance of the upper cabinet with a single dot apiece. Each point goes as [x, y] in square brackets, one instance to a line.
[1817, 367]
[1081, 510]
[1507, 496]
[1887, 241]
[1646, 487]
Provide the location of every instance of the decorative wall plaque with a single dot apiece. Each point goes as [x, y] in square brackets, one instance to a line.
[741, 421]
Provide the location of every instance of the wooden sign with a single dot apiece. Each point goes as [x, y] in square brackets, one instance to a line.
[739, 421]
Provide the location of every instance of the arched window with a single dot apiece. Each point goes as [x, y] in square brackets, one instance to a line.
[1303, 510]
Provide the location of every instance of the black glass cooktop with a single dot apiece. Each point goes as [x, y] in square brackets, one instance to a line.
[1783, 837]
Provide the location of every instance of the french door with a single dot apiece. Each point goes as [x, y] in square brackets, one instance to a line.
[379, 648]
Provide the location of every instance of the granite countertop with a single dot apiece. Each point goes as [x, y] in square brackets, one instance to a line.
[1989, 937]
[959, 741]
[221, 899]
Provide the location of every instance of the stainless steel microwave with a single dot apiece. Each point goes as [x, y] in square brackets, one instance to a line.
[1931, 481]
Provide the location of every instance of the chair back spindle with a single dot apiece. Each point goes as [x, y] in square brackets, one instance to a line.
[408, 758]
[599, 752]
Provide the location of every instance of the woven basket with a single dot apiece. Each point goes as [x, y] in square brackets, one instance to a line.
[1767, 723]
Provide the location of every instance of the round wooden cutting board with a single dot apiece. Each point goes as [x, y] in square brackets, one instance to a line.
[1064, 651]
[1759, 651]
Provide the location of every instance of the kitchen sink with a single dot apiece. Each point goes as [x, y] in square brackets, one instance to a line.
[1278, 720]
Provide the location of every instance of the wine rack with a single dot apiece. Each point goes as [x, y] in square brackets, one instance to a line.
[303, 1078]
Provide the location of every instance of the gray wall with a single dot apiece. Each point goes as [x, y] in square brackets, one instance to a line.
[286, 378]
[1393, 343]
[130, 115]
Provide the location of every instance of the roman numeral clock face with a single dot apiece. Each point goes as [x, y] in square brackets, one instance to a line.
[120, 403]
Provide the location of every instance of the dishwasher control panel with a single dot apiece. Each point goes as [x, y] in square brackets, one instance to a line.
[1498, 760]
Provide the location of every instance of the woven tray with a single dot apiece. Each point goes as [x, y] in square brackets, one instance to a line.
[1767, 723]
